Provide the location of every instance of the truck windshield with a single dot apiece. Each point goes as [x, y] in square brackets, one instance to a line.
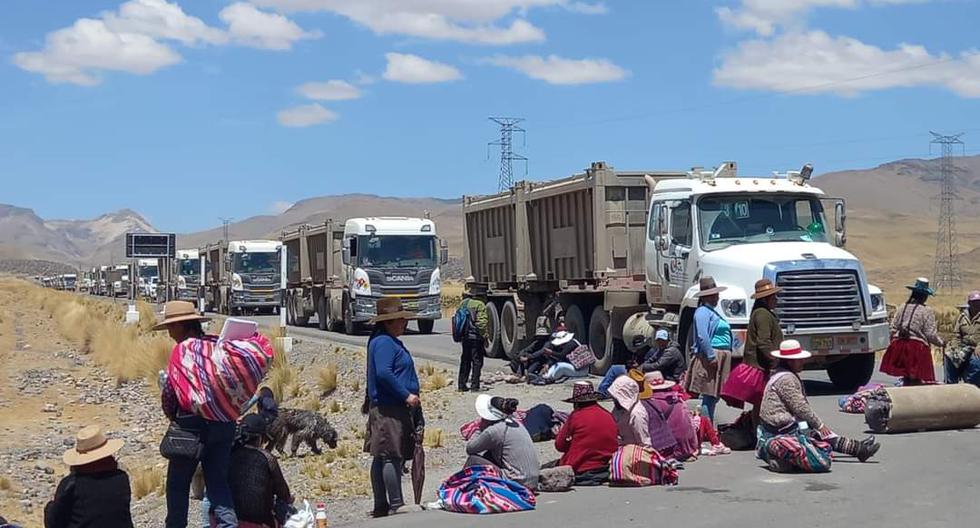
[742, 219]
[189, 267]
[256, 262]
[397, 251]
[148, 271]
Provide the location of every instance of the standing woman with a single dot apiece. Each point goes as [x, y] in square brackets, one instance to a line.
[763, 335]
[393, 399]
[712, 344]
[913, 329]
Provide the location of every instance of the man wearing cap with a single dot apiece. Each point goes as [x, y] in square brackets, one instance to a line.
[527, 361]
[589, 437]
[95, 492]
[665, 356]
[474, 346]
[961, 361]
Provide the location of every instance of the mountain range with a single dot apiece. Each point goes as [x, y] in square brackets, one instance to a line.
[892, 213]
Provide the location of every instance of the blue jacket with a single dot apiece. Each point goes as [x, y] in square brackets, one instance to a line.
[391, 373]
[705, 321]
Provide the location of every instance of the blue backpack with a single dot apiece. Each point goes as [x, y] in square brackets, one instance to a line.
[463, 326]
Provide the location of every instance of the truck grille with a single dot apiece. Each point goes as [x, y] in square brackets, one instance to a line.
[818, 298]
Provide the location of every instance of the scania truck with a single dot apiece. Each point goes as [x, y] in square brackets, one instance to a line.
[243, 276]
[338, 271]
[621, 252]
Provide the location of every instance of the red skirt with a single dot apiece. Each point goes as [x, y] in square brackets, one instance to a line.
[908, 358]
[745, 385]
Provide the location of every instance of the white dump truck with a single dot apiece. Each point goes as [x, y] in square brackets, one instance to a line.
[622, 252]
[243, 275]
[338, 271]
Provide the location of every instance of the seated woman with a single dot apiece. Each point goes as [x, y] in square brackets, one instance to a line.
[503, 442]
[588, 439]
[523, 364]
[632, 420]
[260, 493]
[785, 408]
[672, 415]
[562, 344]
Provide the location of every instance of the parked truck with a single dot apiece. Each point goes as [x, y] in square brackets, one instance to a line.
[622, 252]
[180, 277]
[339, 270]
[118, 280]
[243, 275]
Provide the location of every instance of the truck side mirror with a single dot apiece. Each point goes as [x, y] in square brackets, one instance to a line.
[228, 263]
[345, 256]
[663, 239]
[840, 228]
[443, 256]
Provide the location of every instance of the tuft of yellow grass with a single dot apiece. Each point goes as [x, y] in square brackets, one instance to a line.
[146, 481]
[313, 404]
[6, 484]
[433, 438]
[427, 370]
[335, 407]
[356, 385]
[435, 381]
[326, 379]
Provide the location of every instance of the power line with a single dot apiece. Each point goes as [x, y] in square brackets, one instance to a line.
[508, 126]
[947, 272]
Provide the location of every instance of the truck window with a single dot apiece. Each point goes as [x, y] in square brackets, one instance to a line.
[653, 221]
[397, 251]
[741, 219]
[680, 224]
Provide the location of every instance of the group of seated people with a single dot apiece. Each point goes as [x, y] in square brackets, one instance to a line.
[545, 359]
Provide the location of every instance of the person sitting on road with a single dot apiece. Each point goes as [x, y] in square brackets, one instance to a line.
[632, 420]
[961, 361]
[521, 365]
[785, 408]
[665, 356]
[562, 344]
[258, 488]
[588, 439]
[503, 442]
[668, 410]
[95, 492]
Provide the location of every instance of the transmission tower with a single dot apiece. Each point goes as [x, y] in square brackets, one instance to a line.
[947, 273]
[508, 125]
[224, 225]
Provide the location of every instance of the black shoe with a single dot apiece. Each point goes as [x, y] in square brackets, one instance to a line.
[474, 388]
[867, 449]
[462, 388]
[375, 514]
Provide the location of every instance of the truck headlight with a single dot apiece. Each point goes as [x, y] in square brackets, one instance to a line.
[733, 307]
[435, 283]
[236, 282]
[877, 302]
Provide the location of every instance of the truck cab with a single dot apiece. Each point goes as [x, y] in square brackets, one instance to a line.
[186, 274]
[739, 230]
[392, 257]
[148, 274]
[254, 277]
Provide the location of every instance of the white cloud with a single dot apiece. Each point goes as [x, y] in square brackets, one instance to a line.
[305, 115]
[78, 54]
[815, 62]
[468, 21]
[363, 79]
[280, 206]
[255, 28]
[765, 16]
[161, 19]
[332, 90]
[558, 70]
[413, 69]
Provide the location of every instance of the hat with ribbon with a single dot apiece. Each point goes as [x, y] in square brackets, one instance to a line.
[708, 287]
[179, 311]
[790, 349]
[765, 288]
[91, 444]
[583, 392]
[561, 337]
[485, 410]
[656, 381]
[389, 309]
[922, 286]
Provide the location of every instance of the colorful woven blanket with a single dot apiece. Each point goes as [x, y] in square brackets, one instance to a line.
[481, 490]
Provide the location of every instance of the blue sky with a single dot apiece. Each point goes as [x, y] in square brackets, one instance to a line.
[252, 106]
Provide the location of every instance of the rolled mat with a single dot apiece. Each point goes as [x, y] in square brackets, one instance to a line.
[924, 408]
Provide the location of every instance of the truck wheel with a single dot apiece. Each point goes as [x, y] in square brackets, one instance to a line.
[850, 373]
[495, 347]
[425, 326]
[600, 340]
[508, 330]
[322, 318]
[575, 323]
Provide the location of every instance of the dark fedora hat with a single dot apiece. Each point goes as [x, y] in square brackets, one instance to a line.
[708, 287]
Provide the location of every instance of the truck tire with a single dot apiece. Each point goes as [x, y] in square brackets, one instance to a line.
[508, 330]
[575, 323]
[600, 340]
[850, 373]
[425, 326]
[322, 318]
[495, 348]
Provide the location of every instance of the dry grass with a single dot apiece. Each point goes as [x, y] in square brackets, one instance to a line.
[356, 385]
[146, 481]
[433, 438]
[337, 473]
[335, 407]
[427, 369]
[326, 379]
[313, 404]
[6, 484]
[452, 296]
[435, 381]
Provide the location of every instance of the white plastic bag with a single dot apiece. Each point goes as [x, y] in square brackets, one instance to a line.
[301, 519]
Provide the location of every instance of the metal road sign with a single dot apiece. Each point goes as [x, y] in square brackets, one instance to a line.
[151, 245]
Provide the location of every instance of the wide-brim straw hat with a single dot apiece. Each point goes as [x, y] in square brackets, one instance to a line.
[91, 444]
[708, 287]
[177, 312]
[765, 288]
[656, 381]
[390, 309]
[922, 286]
[562, 337]
[583, 392]
[487, 411]
[791, 349]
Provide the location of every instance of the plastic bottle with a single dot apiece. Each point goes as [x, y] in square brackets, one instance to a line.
[321, 515]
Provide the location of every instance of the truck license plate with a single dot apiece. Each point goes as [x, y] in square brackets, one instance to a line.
[823, 342]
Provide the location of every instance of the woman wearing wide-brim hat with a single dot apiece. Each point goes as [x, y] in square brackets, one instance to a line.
[393, 405]
[913, 330]
[589, 437]
[712, 344]
[763, 334]
[95, 492]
